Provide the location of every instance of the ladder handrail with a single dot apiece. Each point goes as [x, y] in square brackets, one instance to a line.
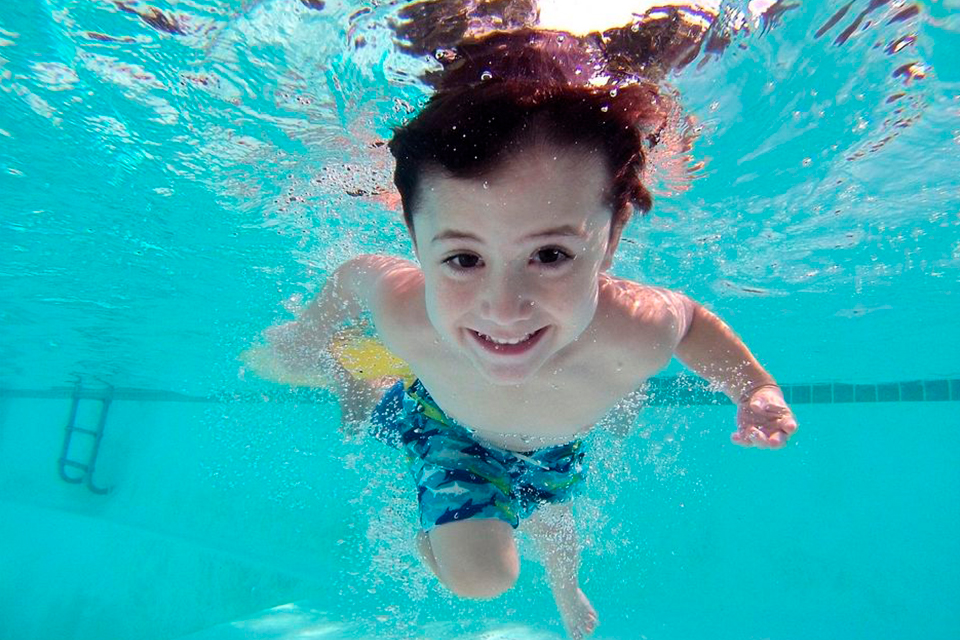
[88, 468]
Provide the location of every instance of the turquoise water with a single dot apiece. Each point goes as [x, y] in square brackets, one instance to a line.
[165, 194]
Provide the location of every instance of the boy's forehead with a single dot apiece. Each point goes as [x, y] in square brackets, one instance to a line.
[529, 192]
[549, 171]
[539, 162]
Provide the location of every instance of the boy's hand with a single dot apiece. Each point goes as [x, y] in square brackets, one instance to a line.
[763, 419]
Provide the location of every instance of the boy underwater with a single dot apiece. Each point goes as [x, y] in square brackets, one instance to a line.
[516, 181]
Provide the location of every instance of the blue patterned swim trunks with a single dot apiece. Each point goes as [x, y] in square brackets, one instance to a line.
[458, 478]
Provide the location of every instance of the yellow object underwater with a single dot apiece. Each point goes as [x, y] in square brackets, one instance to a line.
[363, 356]
[366, 358]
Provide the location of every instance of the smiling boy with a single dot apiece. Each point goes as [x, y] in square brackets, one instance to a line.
[515, 197]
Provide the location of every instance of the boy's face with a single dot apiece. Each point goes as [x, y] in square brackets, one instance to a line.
[511, 261]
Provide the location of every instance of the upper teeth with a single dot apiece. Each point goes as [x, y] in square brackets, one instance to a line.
[511, 341]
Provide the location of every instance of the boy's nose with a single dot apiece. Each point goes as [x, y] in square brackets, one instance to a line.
[506, 302]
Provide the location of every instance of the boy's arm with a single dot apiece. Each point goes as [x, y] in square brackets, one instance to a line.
[297, 350]
[712, 350]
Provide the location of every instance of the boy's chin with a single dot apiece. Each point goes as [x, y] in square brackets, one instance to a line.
[504, 375]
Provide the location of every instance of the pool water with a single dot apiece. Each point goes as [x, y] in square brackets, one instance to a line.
[176, 176]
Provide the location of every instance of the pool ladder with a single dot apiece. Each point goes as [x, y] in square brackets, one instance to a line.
[86, 468]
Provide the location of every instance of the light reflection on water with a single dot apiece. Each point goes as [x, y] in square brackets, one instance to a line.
[241, 145]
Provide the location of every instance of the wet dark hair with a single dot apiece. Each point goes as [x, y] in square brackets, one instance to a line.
[509, 91]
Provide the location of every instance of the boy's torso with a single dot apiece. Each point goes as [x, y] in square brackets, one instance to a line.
[632, 336]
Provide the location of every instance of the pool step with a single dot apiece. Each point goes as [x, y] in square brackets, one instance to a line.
[303, 620]
[294, 620]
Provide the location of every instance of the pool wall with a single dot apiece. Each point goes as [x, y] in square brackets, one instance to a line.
[217, 511]
[185, 538]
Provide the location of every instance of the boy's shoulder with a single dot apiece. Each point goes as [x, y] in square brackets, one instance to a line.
[651, 315]
[397, 300]
[395, 283]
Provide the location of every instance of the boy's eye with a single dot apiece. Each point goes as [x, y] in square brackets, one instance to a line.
[463, 261]
[551, 255]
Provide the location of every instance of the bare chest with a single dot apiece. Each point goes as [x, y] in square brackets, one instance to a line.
[567, 396]
[551, 410]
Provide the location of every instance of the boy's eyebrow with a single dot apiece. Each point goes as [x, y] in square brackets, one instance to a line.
[564, 230]
[450, 234]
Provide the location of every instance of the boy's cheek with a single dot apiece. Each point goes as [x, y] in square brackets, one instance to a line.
[455, 301]
[446, 301]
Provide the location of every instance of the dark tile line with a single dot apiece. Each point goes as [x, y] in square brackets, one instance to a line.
[687, 391]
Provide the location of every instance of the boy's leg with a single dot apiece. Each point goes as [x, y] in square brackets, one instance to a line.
[553, 529]
[426, 552]
[475, 558]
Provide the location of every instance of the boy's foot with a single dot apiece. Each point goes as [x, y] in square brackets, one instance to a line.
[579, 617]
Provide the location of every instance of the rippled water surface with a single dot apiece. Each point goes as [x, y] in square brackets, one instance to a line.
[175, 176]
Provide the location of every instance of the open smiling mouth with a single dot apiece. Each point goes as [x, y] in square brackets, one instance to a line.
[513, 346]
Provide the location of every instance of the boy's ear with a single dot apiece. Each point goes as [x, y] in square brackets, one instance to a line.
[615, 234]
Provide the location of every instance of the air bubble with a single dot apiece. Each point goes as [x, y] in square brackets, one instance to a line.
[605, 108]
[614, 92]
[486, 75]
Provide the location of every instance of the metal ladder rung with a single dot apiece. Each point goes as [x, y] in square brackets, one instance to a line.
[87, 468]
[89, 432]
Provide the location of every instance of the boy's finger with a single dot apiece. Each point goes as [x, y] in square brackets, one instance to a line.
[763, 405]
[771, 424]
[760, 439]
[777, 440]
[768, 411]
[751, 437]
[789, 426]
